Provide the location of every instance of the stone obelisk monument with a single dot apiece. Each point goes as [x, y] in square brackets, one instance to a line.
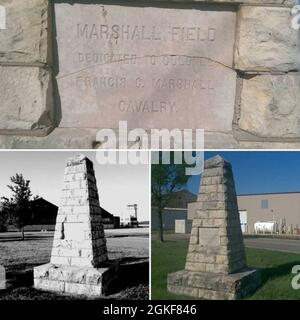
[79, 263]
[215, 265]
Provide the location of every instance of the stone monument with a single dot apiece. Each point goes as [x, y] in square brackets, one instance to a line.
[152, 72]
[70, 68]
[79, 262]
[215, 265]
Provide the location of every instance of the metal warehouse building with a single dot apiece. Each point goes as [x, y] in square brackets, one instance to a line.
[176, 210]
[279, 207]
[284, 208]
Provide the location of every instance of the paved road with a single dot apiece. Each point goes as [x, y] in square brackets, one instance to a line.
[126, 232]
[37, 247]
[131, 232]
[136, 246]
[285, 245]
[274, 244]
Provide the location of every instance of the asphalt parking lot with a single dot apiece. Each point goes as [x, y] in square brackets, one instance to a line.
[284, 245]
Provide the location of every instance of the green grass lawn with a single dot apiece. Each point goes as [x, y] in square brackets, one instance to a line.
[276, 270]
[20, 257]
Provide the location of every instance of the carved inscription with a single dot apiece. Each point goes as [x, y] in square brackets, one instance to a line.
[143, 33]
[139, 64]
[209, 237]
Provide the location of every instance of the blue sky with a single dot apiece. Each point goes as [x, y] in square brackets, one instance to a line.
[259, 172]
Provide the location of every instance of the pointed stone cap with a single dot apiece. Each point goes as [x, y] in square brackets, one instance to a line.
[79, 234]
[79, 159]
[216, 161]
[216, 243]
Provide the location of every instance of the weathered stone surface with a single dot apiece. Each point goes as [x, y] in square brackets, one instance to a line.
[287, 3]
[209, 237]
[72, 138]
[152, 72]
[26, 38]
[74, 279]
[269, 145]
[79, 262]
[266, 43]
[25, 99]
[75, 242]
[266, 40]
[216, 227]
[215, 265]
[212, 286]
[270, 105]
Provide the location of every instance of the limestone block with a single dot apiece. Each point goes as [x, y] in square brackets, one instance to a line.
[73, 185]
[27, 33]
[83, 289]
[214, 286]
[195, 266]
[75, 169]
[25, 99]
[267, 41]
[202, 214]
[287, 3]
[270, 105]
[76, 218]
[49, 285]
[74, 201]
[213, 172]
[85, 244]
[74, 279]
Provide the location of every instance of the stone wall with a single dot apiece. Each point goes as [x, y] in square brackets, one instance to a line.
[26, 86]
[266, 60]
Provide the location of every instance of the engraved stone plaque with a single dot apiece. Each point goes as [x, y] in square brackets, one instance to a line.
[154, 66]
[209, 237]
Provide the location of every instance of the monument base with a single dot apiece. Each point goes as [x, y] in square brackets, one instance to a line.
[214, 286]
[86, 281]
[3, 285]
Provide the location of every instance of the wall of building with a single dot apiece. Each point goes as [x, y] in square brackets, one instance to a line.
[169, 217]
[266, 64]
[280, 206]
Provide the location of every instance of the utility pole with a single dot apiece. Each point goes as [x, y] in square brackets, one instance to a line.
[135, 206]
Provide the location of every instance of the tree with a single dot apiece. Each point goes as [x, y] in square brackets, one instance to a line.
[17, 207]
[166, 179]
[3, 220]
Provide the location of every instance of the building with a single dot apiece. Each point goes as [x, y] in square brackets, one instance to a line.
[110, 221]
[284, 208]
[44, 214]
[176, 210]
[129, 222]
